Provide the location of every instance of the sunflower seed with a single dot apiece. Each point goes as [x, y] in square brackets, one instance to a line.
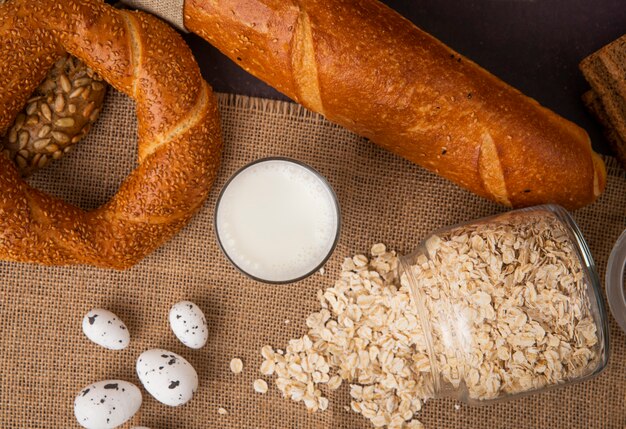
[44, 131]
[71, 108]
[41, 143]
[67, 149]
[82, 82]
[89, 109]
[52, 148]
[58, 154]
[35, 159]
[76, 139]
[19, 122]
[23, 139]
[13, 135]
[94, 115]
[21, 162]
[65, 83]
[65, 122]
[42, 161]
[24, 153]
[46, 112]
[31, 108]
[97, 86]
[60, 137]
[86, 93]
[34, 99]
[76, 92]
[59, 103]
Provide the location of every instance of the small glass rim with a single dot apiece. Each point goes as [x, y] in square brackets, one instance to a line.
[324, 181]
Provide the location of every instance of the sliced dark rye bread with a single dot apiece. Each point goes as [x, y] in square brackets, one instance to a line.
[605, 70]
[618, 144]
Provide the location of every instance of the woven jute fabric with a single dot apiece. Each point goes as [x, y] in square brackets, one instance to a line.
[45, 359]
[169, 10]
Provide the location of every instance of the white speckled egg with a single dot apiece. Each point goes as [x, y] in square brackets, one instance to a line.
[189, 324]
[107, 404]
[106, 329]
[167, 376]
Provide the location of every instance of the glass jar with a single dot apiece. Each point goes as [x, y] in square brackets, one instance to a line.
[509, 305]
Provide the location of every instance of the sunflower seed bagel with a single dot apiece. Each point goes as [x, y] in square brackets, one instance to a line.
[179, 138]
[58, 115]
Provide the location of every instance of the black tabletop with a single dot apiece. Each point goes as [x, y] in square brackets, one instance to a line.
[534, 45]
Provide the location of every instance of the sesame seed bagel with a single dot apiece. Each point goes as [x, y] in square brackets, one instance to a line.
[179, 139]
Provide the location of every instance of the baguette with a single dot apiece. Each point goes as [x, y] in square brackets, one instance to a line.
[364, 66]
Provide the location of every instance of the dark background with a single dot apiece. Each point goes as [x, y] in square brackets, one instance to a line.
[534, 45]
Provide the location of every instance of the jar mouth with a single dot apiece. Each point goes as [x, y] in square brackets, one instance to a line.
[597, 311]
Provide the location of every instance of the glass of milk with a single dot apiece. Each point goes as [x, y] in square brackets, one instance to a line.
[277, 220]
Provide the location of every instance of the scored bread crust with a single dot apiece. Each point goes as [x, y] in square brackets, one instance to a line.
[179, 138]
[364, 66]
[594, 104]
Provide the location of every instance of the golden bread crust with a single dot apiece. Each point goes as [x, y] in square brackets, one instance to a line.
[367, 68]
[179, 138]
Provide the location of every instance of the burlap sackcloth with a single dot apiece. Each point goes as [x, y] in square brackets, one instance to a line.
[169, 10]
[45, 359]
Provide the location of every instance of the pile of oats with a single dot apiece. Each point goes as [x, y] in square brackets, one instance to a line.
[367, 333]
[505, 306]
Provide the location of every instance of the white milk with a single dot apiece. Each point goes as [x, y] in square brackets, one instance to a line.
[277, 220]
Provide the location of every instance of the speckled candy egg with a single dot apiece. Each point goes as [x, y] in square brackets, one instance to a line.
[107, 404]
[106, 329]
[167, 376]
[189, 324]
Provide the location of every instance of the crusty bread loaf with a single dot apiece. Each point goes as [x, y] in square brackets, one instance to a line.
[594, 103]
[179, 137]
[605, 70]
[367, 68]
